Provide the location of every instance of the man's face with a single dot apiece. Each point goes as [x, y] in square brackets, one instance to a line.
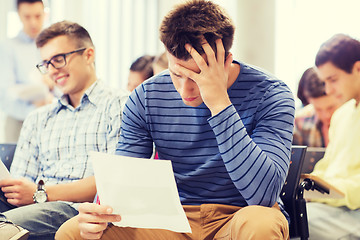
[32, 17]
[341, 84]
[325, 106]
[186, 87]
[74, 78]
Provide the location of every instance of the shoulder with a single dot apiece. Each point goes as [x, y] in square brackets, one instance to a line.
[261, 80]
[6, 46]
[161, 81]
[104, 95]
[42, 113]
[345, 110]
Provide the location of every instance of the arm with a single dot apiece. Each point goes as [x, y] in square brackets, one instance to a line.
[82, 190]
[19, 192]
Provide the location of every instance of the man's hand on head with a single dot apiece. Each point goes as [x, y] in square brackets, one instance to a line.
[213, 78]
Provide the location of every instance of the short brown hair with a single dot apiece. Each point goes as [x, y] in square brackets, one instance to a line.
[72, 30]
[143, 65]
[18, 2]
[189, 22]
[341, 50]
[310, 86]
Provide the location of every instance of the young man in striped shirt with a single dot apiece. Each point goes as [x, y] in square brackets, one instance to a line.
[226, 126]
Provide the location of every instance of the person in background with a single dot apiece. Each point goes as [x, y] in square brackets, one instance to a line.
[226, 127]
[300, 91]
[338, 65]
[51, 172]
[22, 88]
[140, 70]
[312, 122]
[160, 63]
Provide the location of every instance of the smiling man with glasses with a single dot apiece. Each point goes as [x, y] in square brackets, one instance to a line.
[50, 166]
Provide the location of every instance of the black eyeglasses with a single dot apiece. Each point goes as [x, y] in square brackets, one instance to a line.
[57, 61]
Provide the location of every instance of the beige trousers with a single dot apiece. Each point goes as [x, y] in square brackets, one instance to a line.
[207, 221]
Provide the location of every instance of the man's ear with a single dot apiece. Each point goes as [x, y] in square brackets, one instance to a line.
[90, 54]
[356, 67]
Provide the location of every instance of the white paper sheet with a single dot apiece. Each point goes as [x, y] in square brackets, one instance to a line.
[142, 191]
[4, 173]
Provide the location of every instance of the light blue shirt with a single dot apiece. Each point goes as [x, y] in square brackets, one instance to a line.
[18, 58]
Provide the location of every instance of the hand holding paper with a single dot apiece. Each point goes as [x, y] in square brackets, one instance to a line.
[142, 191]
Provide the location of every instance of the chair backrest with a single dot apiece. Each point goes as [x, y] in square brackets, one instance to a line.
[290, 188]
[7, 151]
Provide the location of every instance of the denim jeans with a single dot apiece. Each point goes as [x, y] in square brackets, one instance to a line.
[42, 220]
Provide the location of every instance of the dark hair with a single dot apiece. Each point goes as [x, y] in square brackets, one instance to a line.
[72, 30]
[310, 86]
[189, 22]
[143, 65]
[341, 50]
[18, 2]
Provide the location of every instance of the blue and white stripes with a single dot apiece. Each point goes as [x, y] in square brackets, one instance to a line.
[238, 157]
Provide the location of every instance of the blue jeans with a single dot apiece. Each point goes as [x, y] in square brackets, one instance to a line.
[42, 220]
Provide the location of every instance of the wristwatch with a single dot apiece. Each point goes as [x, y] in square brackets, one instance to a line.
[40, 195]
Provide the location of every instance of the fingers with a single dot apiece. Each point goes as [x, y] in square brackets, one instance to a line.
[94, 213]
[93, 219]
[186, 72]
[91, 235]
[220, 51]
[200, 61]
[92, 230]
[94, 208]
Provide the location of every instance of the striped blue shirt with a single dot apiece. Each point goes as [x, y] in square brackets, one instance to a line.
[56, 139]
[238, 157]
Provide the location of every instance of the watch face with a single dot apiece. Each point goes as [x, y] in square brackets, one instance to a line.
[40, 196]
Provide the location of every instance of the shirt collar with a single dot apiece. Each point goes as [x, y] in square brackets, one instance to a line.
[90, 96]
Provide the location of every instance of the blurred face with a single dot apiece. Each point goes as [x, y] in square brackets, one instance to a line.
[341, 84]
[325, 106]
[32, 17]
[77, 75]
[186, 87]
[134, 80]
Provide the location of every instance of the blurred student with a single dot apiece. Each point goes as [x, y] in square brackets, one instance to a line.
[313, 121]
[338, 64]
[51, 172]
[160, 63]
[226, 127]
[22, 88]
[140, 70]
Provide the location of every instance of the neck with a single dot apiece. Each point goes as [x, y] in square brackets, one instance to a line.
[233, 74]
[75, 98]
